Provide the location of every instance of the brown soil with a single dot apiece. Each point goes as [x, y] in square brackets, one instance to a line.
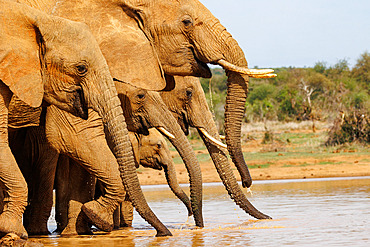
[274, 171]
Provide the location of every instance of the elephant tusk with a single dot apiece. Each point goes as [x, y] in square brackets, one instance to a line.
[212, 139]
[165, 132]
[255, 73]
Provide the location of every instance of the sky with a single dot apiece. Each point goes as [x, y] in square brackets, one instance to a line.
[297, 33]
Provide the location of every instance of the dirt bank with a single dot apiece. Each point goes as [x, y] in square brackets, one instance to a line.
[274, 171]
[293, 154]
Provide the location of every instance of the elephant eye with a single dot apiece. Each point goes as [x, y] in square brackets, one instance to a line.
[159, 146]
[187, 21]
[81, 68]
[189, 92]
[141, 95]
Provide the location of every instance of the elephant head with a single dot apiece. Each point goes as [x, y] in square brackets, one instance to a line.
[187, 37]
[145, 109]
[152, 151]
[188, 104]
[58, 60]
[37, 63]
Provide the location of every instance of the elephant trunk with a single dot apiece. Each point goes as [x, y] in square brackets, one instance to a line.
[109, 108]
[224, 50]
[182, 145]
[226, 174]
[175, 187]
[237, 90]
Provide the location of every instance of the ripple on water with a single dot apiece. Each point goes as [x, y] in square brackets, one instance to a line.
[306, 213]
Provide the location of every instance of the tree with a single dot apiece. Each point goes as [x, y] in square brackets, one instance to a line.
[361, 71]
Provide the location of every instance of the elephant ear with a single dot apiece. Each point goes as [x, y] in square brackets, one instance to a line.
[21, 115]
[20, 67]
[130, 56]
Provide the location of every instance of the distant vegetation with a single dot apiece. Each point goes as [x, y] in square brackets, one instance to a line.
[319, 93]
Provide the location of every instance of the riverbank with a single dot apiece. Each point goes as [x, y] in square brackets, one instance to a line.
[278, 171]
[293, 153]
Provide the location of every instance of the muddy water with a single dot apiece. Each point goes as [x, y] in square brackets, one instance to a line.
[317, 212]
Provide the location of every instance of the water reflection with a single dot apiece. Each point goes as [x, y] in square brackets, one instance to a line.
[306, 213]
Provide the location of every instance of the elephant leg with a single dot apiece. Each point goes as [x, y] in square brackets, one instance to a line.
[62, 192]
[84, 141]
[77, 223]
[123, 215]
[11, 178]
[116, 217]
[127, 213]
[82, 190]
[41, 181]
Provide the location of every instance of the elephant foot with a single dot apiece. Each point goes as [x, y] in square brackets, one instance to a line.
[77, 223]
[77, 227]
[12, 239]
[71, 230]
[127, 214]
[35, 229]
[12, 224]
[38, 232]
[116, 218]
[99, 215]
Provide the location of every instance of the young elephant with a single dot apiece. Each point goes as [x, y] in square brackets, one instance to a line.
[49, 58]
[152, 151]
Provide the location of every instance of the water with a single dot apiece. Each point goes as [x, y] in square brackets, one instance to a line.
[315, 212]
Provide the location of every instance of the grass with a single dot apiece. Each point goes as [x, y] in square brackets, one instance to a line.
[296, 141]
[200, 157]
[266, 165]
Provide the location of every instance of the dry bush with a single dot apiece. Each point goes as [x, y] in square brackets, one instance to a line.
[354, 127]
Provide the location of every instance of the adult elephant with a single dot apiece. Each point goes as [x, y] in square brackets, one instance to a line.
[188, 104]
[187, 37]
[53, 59]
[141, 39]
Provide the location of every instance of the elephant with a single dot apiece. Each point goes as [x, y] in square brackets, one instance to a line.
[188, 104]
[151, 151]
[38, 64]
[164, 38]
[187, 37]
[79, 72]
